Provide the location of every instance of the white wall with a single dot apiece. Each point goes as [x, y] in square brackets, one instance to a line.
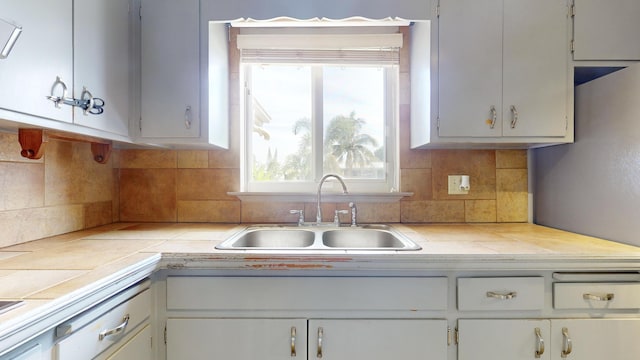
[593, 186]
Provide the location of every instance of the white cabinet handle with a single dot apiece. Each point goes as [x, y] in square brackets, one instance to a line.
[57, 100]
[494, 116]
[605, 297]
[91, 101]
[320, 335]
[539, 343]
[187, 117]
[293, 341]
[502, 296]
[514, 117]
[116, 330]
[567, 346]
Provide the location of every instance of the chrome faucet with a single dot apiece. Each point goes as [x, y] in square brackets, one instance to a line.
[319, 195]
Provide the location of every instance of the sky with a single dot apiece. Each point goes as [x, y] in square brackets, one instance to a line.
[285, 94]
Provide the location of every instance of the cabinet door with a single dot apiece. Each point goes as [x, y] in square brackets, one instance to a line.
[503, 339]
[469, 67]
[377, 339]
[606, 30]
[535, 66]
[236, 339]
[592, 339]
[42, 52]
[101, 61]
[170, 69]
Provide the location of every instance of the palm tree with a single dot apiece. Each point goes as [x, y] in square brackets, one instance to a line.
[298, 166]
[347, 145]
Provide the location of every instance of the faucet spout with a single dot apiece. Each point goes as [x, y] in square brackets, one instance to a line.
[319, 194]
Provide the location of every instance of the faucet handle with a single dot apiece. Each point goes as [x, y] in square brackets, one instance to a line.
[336, 217]
[300, 216]
[354, 214]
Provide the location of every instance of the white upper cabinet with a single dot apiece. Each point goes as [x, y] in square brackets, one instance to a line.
[501, 74]
[606, 30]
[42, 53]
[503, 69]
[101, 62]
[184, 76]
[170, 103]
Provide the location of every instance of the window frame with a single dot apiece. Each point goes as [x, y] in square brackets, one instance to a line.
[387, 185]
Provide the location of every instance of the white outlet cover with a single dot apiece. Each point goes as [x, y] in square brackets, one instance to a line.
[454, 185]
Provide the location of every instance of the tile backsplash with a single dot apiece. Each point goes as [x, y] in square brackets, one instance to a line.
[67, 191]
[62, 192]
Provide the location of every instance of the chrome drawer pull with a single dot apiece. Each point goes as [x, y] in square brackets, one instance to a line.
[567, 347]
[605, 297]
[505, 296]
[116, 330]
[494, 116]
[539, 343]
[320, 335]
[293, 341]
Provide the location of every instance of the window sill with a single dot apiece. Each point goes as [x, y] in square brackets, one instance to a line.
[326, 197]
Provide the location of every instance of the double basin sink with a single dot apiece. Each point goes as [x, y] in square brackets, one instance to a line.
[274, 237]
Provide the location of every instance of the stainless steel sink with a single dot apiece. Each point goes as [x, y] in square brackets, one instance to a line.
[267, 238]
[361, 239]
[368, 237]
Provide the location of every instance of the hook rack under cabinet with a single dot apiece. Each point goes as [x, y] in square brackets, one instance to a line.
[87, 102]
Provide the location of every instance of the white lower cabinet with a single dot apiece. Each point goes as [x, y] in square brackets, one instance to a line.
[489, 339]
[583, 339]
[273, 339]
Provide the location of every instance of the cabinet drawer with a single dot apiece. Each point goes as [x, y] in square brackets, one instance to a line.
[307, 293]
[596, 295]
[86, 342]
[505, 293]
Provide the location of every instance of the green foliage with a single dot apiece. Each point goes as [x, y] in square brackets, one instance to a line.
[345, 149]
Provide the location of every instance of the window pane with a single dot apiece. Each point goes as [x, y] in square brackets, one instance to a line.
[354, 118]
[281, 137]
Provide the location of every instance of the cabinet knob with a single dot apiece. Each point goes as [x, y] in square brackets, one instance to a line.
[539, 343]
[567, 346]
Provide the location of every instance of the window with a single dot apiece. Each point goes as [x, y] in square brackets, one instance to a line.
[315, 110]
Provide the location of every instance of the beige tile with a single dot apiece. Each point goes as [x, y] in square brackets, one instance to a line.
[115, 201]
[405, 89]
[259, 212]
[10, 149]
[432, 211]
[148, 195]
[511, 159]
[77, 255]
[193, 159]
[223, 159]
[148, 159]
[22, 185]
[63, 219]
[72, 176]
[19, 226]
[97, 214]
[410, 159]
[209, 211]
[417, 181]
[512, 196]
[88, 277]
[480, 165]
[405, 50]
[22, 283]
[480, 211]
[207, 184]
[369, 213]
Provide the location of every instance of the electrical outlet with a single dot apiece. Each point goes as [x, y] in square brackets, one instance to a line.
[454, 185]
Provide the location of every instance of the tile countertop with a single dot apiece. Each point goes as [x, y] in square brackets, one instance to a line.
[47, 273]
